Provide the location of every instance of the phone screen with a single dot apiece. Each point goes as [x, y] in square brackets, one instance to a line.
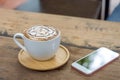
[97, 59]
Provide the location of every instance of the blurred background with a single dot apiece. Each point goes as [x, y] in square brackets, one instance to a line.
[79, 8]
[96, 9]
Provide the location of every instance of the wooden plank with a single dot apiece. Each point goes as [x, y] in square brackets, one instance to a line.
[76, 31]
[11, 69]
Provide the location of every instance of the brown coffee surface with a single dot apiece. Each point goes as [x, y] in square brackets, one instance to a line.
[41, 33]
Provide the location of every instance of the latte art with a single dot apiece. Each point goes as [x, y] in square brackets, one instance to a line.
[41, 33]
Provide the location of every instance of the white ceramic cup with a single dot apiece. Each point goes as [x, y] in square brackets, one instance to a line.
[40, 50]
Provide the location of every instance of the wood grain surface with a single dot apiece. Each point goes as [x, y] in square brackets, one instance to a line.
[11, 69]
[79, 35]
[75, 31]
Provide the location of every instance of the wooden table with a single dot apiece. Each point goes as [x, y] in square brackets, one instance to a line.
[79, 35]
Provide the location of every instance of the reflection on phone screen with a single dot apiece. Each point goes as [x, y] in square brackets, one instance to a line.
[97, 59]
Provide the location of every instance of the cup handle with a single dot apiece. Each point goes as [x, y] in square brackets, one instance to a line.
[17, 42]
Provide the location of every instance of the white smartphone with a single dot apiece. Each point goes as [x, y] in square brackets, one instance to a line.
[95, 60]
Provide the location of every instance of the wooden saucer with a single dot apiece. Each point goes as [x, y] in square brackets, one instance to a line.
[60, 58]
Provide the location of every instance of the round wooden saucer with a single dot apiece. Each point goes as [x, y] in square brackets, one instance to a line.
[60, 58]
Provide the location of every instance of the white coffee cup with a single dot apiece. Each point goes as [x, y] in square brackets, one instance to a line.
[40, 50]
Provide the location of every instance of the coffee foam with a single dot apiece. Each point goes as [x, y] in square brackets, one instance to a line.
[41, 33]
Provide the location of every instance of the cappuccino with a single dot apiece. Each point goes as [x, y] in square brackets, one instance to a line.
[40, 42]
[41, 33]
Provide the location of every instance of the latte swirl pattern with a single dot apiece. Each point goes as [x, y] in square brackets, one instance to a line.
[41, 33]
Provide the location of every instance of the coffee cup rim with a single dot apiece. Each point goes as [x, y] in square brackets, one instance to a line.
[59, 33]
